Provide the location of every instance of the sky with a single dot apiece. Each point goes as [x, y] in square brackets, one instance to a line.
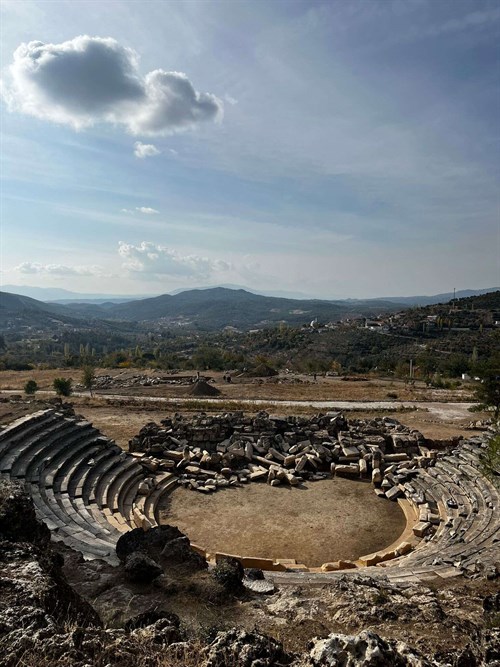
[337, 149]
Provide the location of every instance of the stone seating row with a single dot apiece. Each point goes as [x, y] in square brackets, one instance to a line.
[83, 486]
[470, 523]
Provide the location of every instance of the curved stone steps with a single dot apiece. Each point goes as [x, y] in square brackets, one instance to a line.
[72, 487]
[63, 508]
[151, 504]
[16, 458]
[65, 529]
[128, 495]
[51, 454]
[77, 464]
[128, 472]
[43, 463]
[26, 426]
[44, 468]
[484, 499]
[473, 524]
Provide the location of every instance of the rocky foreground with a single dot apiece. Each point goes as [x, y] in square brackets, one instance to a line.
[360, 622]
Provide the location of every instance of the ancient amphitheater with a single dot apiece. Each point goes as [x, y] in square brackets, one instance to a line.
[88, 491]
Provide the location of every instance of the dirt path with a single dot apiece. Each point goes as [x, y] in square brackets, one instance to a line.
[330, 520]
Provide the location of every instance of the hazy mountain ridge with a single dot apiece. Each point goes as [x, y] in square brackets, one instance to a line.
[207, 309]
[67, 297]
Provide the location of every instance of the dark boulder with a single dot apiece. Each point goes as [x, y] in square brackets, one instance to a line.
[141, 569]
[18, 522]
[165, 545]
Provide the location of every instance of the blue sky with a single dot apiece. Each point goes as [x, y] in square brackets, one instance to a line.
[334, 149]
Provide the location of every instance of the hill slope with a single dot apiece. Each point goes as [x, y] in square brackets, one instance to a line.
[219, 307]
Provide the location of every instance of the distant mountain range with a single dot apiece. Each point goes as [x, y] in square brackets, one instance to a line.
[63, 296]
[205, 309]
[208, 309]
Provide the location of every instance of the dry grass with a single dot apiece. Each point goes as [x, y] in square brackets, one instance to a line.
[122, 416]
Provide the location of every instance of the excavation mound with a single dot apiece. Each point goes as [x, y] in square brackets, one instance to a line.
[202, 388]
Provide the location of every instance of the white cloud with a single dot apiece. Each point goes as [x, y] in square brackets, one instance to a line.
[145, 150]
[58, 269]
[147, 210]
[88, 80]
[231, 100]
[155, 260]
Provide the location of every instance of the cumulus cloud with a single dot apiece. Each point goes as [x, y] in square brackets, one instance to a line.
[57, 269]
[150, 258]
[145, 150]
[88, 80]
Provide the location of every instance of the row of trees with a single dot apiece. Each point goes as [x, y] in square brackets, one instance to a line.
[64, 386]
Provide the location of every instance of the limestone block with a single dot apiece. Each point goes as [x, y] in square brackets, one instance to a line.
[395, 457]
[393, 493]
[173, 455]
[372, 559]
[404, 548]
[347, 470]
[421, 528]
[300, 463]
[257, 474]
[350, 452]
[330, 567]
[376, 476]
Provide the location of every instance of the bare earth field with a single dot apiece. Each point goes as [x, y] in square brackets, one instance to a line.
[282, 522]
[120, 411]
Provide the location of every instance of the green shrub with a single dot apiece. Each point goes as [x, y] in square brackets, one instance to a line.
[63, 386]
[31, 387]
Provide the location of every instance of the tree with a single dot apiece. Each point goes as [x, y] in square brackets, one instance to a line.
[63, 386]
[487, 391]
[30, 388]
[88, 377]
[490, 460]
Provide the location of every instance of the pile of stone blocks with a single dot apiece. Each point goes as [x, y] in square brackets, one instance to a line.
[209, 452]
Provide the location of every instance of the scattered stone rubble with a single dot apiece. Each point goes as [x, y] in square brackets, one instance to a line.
[208, 453]
[114, 382]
